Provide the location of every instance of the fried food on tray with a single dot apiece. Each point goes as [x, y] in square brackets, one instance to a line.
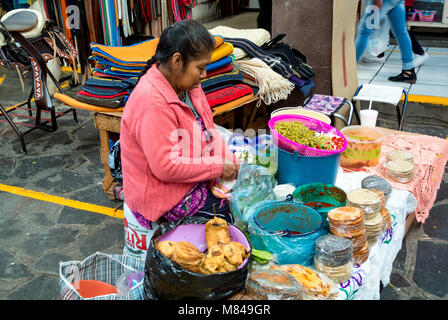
[224, 255]
[224, 258]
[227, 266]
[166, 247]
[216, 232]
[213, 261]
[235, 253]
[187, 255]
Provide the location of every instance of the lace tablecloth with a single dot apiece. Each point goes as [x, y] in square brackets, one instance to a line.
[430, 157]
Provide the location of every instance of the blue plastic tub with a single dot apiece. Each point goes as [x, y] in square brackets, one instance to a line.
[288, 230]
[298, 170]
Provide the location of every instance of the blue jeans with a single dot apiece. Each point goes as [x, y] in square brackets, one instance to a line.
[395, 11]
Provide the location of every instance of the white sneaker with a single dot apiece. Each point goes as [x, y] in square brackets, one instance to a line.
[368, 58]
[419, 59]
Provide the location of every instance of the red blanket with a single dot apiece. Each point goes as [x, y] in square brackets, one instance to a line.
[88, 94]
[228, 94]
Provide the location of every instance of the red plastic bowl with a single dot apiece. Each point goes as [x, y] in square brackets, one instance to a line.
[93, 288]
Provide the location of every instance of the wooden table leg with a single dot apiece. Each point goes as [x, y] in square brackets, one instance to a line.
[409, 219]
[108, 181]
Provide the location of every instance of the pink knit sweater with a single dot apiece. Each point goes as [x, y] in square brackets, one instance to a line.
[160, 163]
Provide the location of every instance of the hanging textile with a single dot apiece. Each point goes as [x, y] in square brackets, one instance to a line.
[189, 3]
[50, 10]
[66, 22]
[92, 23]
[180, 11]
[58, 14]
[165, 19]
[21, 4]
[170, 12]
[113, 23]
[126, 18]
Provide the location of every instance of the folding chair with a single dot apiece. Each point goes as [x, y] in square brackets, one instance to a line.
[385, 94]
[330, 106]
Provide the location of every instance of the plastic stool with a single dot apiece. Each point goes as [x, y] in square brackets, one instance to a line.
[386, 94]
[329, 105]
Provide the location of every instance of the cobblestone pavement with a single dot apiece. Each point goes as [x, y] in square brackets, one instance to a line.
[36, 235]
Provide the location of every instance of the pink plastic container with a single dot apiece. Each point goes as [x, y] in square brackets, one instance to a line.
[427, 16]
[313, 124]
[411, 16]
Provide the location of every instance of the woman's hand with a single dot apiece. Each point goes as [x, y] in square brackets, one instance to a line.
[230, 170]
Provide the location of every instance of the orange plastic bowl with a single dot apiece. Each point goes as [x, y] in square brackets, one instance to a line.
[94, 288]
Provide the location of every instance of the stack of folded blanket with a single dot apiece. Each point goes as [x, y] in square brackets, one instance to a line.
[267, 85]
[270, 73]
[224, 86]
[115, 73]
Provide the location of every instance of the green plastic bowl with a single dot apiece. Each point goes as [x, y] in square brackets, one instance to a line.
[322, 197]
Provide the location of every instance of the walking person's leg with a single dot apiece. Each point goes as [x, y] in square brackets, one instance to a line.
[416, 47]
[420, 54]
[363, 33]
[397, 18]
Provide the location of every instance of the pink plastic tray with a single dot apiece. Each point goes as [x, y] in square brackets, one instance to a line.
[412, 17]
[313, 124]
[195, 234]
[428, 17]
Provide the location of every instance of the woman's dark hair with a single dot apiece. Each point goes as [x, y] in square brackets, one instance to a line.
[188, 37]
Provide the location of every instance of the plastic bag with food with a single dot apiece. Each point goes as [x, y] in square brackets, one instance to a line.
[317, 286]
[254, 184]
[273, 285]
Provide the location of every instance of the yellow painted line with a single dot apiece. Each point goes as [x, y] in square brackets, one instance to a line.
[62, 201]
[63, 86]
[2, 78]
[16, 105]
[427, 99]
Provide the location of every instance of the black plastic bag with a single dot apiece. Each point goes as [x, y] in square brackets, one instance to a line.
[167, 280]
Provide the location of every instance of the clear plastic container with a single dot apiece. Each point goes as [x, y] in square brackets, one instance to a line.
[363, 146]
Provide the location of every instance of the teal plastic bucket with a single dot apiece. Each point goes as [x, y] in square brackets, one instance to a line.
[322, 197]
[288, 230]
[298, 170]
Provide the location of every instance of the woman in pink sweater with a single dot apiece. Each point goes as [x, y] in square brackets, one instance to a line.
[170, 148]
